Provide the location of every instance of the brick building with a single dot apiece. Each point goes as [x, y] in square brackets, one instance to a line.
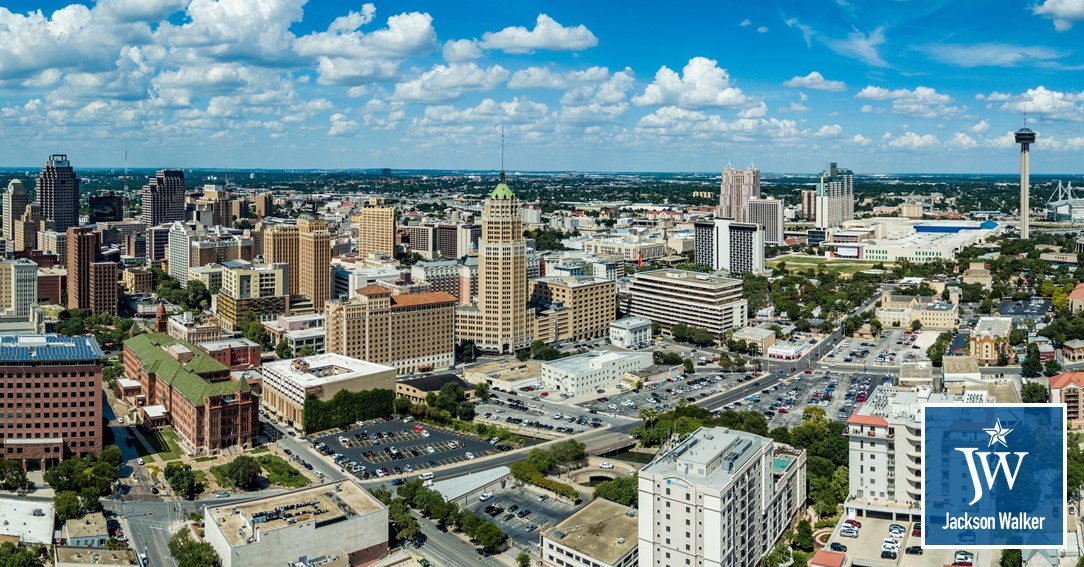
[181, 385]
[238, 354]
[51, 387]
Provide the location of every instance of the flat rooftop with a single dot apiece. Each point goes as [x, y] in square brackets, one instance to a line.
[512, 371]
[589, 360]
[630, 323]
[48, 348]
[321, 369]
[29, 519]
[709, 457]
[322, 504]
[88, 556]
[602, 530]
[688, 277]
[211, 346]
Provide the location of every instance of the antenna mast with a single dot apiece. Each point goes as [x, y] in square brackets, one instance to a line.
[502, 152]
[127, 196]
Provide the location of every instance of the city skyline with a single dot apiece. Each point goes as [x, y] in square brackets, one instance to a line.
[788, 86]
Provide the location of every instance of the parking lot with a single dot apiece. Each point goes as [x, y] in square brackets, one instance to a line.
[522, 527]
[866, 548]
[379, 448]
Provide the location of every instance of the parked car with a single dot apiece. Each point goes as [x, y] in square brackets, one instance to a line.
[836, 546]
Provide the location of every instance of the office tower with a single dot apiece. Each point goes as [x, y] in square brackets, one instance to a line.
[835, 196]
[719, 498]
[769, 214]
[669, 297]
[423, 240]
[82, 252]
[67, 373]
[809, 204]
[181, 236]
[280, 246]
[376, 232]
[738, 247]
[58, 192]
[238, 209]
[1025, 137]
[163, 198]
[26, 228]
[264, 204]
[104, 289]
[251, 290]
[217, 201]
[106, 207]
[158, 242]
[314, 260]
[588, 305]
[498, 323]
[15, 201]
[447, 241]
[704, 242]
[413, 332]
[18, 288]
[737, 187]
[54, 242]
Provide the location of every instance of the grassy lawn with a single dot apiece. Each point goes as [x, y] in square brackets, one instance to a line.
[260, 449]
[281, 473]
[842, 266]
[219, 477]
[164, 444]
[204, 459]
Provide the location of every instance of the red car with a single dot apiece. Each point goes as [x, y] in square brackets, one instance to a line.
[917, 531]
[852, 522]
[784, 410]
[544, 394]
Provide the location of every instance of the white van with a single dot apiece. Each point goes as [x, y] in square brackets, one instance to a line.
[426, 476]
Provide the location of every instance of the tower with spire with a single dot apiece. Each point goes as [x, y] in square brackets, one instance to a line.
[160, 319]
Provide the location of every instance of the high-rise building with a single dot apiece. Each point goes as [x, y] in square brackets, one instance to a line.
[92, 284]
[591, 304]
[15, 201]
[27, 226]
[264, 204]
[106, 207]
[376, 231]
[719, 498]
[18, 288]
[104, 288]
[499, 321]
[737, 187]
[728, 245]
[413, 332]
[809, 204]
[423, 240]
[835, 196]
[158, 243]
[181, 236]
[251, 290]
[67, 373]
[54, 242]
[768, 213]
[670, 297]
[280, 246]
[58, 192]
[163, 198]
[213, 208]
[314, 260]
[1025, 137]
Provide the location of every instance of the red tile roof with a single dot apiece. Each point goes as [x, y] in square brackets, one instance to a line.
[857, 419]
[823, 558]
[1065, 378]
[1078, 292]
[374, 290]
[429, 297]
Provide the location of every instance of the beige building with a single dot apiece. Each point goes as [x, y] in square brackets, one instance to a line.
[762, 338]
[591, 305]
[976, 273]
[670, 297]
[911, 210]
[15, 201]
[314, 260]
[499, 321]
[287, 383]
[136, 280]
[259, 289]
[602, 534]
[280, 246]
[990, 338]
[412, 332]
[376, 231]
[187, 328]
[938, 316]
[27, 226]
[210, 275]
[505, 375]
[264, 204]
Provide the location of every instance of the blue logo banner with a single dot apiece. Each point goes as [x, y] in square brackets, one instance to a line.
[994, 476]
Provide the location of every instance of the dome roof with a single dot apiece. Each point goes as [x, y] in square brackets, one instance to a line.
[502, 191]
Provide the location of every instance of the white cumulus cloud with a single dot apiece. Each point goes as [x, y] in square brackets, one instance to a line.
[814, 80]
[449, 82]
[547, 34]
[348, 56]
[1040, 100]
[702, 83]
[1065, 13]
[461, 50]
[922, 102]
[912, 141]
[829, 131]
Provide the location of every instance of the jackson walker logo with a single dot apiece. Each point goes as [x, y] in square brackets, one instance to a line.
[994, 475]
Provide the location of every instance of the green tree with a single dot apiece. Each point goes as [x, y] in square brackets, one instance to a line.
[403, 406]
[803, 536]
[916, 325]
[243, 471]
[12, 555]
[1032, 366]
[621, 490]
[282, 350]
[1017, 336]
[90, 500]
[1011, 558]
[189, 553]
[689, 366]
[523, 559]
[490, 536]
[1052, 367]
[1033, 393]
[66, 504]
[182, 480]
[257, 333]
[12, 475]
[111, 456]
[481, 391]
[541, 460]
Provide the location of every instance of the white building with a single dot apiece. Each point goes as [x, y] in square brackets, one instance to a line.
[736, 247]
[769, 214]
[345, 282]
[340, 523]
[670, 297]
[630, 331]
[885, 450]
[585, 373]
[181, 236]
[719, 498]
[286, 383]
[18, 288]
[834, 197]
[602, 534]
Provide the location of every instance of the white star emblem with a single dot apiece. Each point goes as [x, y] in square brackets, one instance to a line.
[997, 433]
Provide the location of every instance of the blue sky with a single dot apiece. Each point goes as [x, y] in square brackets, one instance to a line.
[878, 86]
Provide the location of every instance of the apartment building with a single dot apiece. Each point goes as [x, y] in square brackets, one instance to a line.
[834, 197]
[287, 383]
[601, 534]
[719, 498]
[376, 232]
[1066, 388]
[990, 339]
[670, 297]
[768, 213]
[412, 332]
[65, 375]
[18, 288]
[248, 289]
[591, 304]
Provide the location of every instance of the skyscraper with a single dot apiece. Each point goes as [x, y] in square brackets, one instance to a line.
[92, 285]
[835, 196]
[769, 214]
[280, 246]
[809, 204]
[27, 226]
[314, 260]
[376, 231]
[737, 187]
[738, 247]
[106, 207]
[18, 288]
[163, 198]
[264, 204]
[498, 323]
[58, 192]
[1025, 137]
[15, 201]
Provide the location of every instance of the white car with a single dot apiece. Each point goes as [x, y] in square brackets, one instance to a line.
[485, 496]
[606, 466]
[470, 455]
[431, 449]
[120, 420]
[140, 460]
[558, 415]
[612, 406]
